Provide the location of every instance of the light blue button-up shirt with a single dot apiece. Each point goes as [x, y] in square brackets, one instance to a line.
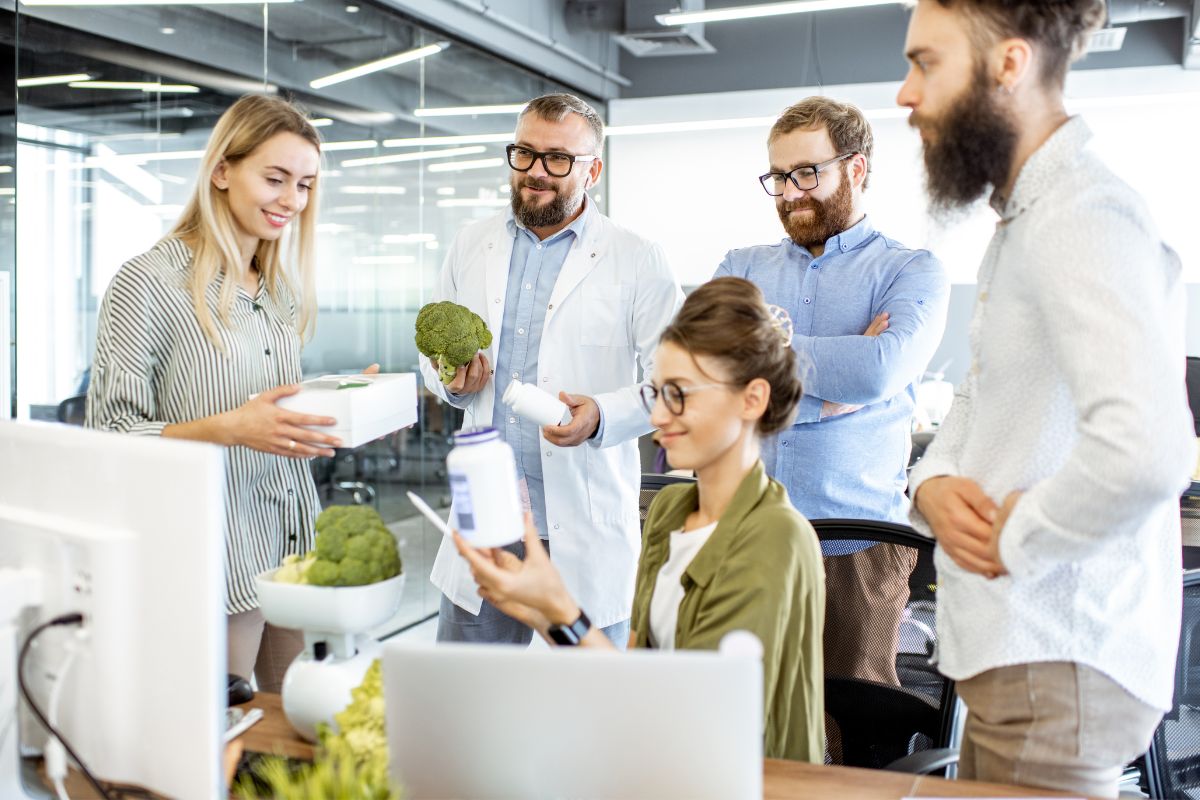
[532, 272]
[850, 466]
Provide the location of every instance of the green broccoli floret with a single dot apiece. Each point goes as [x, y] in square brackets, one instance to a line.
[322, 573]
[451, 335]
[331, 544]
[352, 572]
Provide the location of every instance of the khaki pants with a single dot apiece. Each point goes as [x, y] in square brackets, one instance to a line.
[258, 647]
[865, 595]
[1053, 725]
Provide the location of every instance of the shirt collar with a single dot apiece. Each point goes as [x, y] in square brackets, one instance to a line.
[847, 240]
[1039, 174]
[577, 226]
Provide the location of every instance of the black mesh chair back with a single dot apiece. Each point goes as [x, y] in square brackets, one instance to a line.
[1173, 760]
[73, 410]
[883, 697]
[651, 485]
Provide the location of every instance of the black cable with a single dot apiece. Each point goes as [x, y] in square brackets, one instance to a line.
[64, 619]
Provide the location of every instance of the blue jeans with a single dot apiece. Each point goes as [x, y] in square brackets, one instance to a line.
[493, 626]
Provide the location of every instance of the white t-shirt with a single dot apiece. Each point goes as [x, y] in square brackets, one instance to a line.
[668, 590]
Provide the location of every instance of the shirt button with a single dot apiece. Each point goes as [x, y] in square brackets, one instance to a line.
[556, 526]
[497, 300]
[807, 301]
[521, 331]
[539, 247]
[785, 444]
[516, 374]
[529, 286]
[814, 266]
[983, 297]
[548, 454]
[267, 351]
[512, 420]
[545, 380]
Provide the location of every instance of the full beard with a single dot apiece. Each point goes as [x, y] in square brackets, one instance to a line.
[532, 215]
[969, 151]
[829, 218]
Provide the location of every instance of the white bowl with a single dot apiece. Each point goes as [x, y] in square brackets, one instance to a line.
[328, 609]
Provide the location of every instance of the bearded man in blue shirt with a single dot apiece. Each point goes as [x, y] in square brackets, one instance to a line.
[868, 314]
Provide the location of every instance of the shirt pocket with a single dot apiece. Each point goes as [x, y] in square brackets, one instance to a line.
[604, 321]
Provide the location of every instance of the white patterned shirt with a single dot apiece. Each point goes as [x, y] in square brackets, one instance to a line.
[1076, 397]
[154, 367]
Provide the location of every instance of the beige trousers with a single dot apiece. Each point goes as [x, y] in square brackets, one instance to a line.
[1052, 725]
[258, 647]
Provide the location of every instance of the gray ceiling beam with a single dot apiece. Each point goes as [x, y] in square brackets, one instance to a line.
[1191, 44]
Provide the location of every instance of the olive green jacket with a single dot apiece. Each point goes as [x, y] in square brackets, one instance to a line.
[759, 571]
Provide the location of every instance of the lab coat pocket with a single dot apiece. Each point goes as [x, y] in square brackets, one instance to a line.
[605, 319]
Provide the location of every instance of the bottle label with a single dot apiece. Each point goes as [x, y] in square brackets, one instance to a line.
[460, 491]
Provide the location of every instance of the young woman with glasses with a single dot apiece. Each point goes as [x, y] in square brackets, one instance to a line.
[726, 553]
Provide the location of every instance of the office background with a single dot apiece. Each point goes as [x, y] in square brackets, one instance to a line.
[91, 174]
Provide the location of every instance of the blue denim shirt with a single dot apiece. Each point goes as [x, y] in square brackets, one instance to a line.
[532, 272]
[850, 466]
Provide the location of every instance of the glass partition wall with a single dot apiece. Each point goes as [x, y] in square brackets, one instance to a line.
[104, 112]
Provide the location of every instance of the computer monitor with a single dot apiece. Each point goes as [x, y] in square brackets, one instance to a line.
[492, 721]
[126, 530]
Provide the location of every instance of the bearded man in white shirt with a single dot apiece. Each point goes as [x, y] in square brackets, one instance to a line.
[1052, 487]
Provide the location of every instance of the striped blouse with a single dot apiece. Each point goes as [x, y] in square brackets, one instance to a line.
[155, 367]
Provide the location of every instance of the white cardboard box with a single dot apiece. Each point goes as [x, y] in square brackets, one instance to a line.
[365, 406]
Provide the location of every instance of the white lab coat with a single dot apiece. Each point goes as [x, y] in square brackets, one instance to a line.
[614, 295]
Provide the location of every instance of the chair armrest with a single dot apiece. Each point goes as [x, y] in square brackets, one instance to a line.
[924, 762]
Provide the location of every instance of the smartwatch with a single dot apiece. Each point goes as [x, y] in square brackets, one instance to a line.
[570, 634]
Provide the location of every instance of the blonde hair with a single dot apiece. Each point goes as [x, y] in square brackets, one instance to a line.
[208, 226]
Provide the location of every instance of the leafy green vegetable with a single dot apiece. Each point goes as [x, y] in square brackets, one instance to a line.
[350, 763]
[451, 335]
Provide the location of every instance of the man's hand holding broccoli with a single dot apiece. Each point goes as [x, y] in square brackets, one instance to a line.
[451, 337]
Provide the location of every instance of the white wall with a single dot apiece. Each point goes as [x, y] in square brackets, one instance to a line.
[697, 192]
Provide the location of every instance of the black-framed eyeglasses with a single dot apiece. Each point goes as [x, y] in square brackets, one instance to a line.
[805, 178]
[672, 394]
[557, 165]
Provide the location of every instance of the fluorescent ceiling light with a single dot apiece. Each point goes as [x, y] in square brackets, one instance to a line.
[358, 144]
[764, 10]
[459, 166]
[51, 80]
[139, 158]
[5, 168]
[384, 260]
[444, 191]
[148, 2]
[469, 111]
[432, 245]
[381, 64]
[8, 192]
[409, 238]
[320, 122]
[424, 155]
[175, 179]
[681, 127]
[163, 88]
[374, 190]
[135, 137]
[431, 141]
[472, 202]
[333, 227]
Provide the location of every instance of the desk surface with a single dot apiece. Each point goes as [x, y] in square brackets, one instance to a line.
[782, 780]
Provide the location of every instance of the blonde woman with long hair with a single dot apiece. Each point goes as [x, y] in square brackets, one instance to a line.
[201, 335]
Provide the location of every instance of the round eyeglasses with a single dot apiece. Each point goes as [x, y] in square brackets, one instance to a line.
[672, 394]
[805, 178]
[557, 165]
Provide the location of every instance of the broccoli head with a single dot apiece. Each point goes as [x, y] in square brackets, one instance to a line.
[451, 335]
[353, 548]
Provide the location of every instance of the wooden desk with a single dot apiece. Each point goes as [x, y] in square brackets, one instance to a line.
[782, 780]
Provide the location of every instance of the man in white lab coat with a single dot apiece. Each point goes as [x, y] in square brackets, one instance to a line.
[575, 305]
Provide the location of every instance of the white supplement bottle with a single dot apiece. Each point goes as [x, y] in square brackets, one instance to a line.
[483, 484]
[530, 402]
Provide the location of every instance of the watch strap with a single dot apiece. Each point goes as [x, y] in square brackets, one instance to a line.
[570, 634]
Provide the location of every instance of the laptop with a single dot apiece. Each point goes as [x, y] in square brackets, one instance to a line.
[498, 722]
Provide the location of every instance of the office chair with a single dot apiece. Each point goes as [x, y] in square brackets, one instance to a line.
[1173, 760]
[651, 485]
[73, 410]
[905, 722]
